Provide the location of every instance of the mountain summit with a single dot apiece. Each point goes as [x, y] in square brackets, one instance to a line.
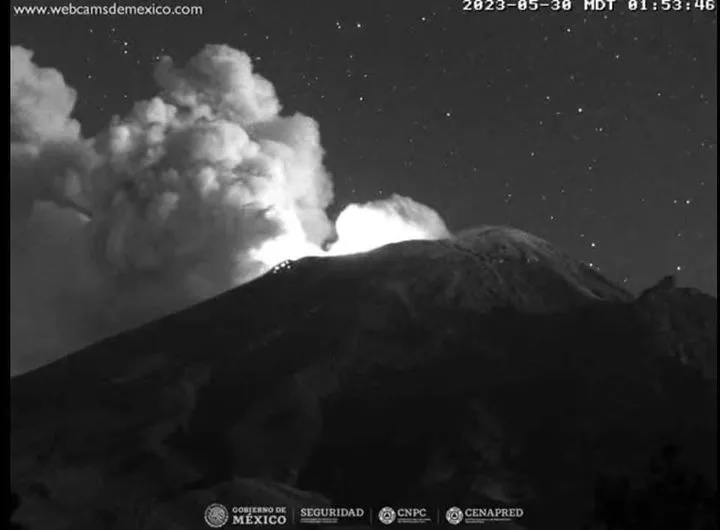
[487, 370]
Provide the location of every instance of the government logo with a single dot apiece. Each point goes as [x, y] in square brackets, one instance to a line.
[454, 515]
[216, 515]
[387, 515]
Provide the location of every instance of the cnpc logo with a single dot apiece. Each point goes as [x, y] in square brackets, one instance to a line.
[389, 515]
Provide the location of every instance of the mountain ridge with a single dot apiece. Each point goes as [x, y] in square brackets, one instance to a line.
[418, 372]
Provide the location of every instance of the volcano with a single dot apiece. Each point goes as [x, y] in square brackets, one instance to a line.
[485, 370]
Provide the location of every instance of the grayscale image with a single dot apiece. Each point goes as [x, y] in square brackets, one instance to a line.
[336, 264]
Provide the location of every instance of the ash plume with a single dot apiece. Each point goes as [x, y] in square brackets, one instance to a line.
[195, 191]
[363, 227]
[53, 282]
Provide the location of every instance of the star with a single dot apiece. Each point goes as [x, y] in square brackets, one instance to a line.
[581, 120]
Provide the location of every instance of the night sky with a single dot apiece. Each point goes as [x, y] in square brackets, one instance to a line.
[596, 131]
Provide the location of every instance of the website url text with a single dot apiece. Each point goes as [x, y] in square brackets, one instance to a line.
[70, 10]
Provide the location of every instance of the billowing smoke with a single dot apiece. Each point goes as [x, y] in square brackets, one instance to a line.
[195, 179]
[363, 227]
[54, 284]
[45, 142]
[195, 191]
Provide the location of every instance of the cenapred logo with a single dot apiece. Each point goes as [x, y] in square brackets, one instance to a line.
[387, 515]
[454, 515]
[216, 515]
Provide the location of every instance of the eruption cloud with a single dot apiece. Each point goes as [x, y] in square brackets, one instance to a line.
[363, 227]
[194, 192]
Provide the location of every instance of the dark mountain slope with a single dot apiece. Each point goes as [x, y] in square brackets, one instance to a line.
[487, 370]
[534, 419]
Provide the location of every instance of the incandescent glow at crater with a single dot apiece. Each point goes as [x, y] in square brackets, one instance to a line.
[364, 227]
